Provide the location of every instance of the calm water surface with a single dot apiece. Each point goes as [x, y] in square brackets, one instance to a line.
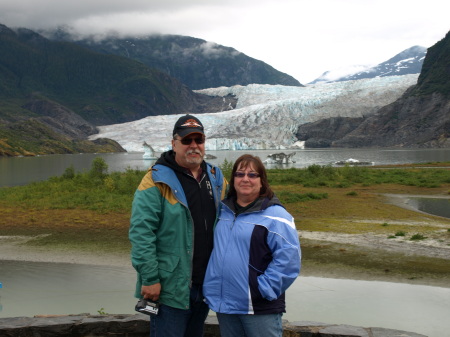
[33, 288]
[436, 206]
[23, 170]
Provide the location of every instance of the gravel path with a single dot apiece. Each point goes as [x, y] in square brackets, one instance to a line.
[430, 247]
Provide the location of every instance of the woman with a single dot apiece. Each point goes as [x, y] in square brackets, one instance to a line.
[256, 256]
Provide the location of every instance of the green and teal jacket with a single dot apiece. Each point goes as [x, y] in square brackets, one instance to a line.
[162, 231]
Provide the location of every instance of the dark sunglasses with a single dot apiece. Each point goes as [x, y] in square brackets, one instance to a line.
[188, 141]
[250, 175]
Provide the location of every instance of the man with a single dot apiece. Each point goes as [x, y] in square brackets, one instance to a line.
[171, 231]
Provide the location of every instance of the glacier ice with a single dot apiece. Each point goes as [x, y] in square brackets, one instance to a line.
[266, 116]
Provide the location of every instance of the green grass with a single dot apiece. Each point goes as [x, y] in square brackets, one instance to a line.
[103, 191]
[317, 176]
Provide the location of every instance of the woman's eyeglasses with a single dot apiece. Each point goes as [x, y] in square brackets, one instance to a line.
[250, 175]
[188, 141]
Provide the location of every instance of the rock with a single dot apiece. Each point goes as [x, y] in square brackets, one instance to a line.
[85, 325]
[61, 119]
[409, 122]
[322, 133]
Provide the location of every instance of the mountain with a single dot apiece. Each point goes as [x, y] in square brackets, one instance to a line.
[102, 89]
[267, 116]
[419, 118]
[195, 62]
[408, 61]
[390, 111]
[54, 94]
[67, 90]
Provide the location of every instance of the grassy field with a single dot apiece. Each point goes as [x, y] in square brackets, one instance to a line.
[90, 212]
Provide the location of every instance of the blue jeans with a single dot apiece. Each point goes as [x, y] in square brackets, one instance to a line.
[173, 322]
[250, 325]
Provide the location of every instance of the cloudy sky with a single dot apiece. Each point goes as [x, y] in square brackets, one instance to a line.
[302, 38]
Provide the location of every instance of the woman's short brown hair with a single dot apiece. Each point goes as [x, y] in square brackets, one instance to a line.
[243, 162]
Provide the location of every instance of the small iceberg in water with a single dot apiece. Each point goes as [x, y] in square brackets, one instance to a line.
[280, 158]
[353, 162]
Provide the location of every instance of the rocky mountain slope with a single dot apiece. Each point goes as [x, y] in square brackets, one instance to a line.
[420, 118]
[195, 62]
[409, 61]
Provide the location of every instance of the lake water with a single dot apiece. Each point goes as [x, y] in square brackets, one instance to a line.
[35, 288]
[436, 206]
[23, 170]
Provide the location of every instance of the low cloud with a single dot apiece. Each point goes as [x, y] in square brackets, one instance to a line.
[301, 38]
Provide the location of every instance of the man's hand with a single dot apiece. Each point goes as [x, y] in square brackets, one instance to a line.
[151, 292]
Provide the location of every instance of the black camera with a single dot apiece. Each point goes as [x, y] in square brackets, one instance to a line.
[147, 307]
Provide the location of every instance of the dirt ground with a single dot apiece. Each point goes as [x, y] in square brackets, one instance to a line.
[429, 247]
[13, 248]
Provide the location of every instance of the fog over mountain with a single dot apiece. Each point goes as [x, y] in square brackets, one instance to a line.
[195, 62]
[266, 116]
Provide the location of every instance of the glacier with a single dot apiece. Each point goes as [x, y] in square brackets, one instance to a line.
[266, 116]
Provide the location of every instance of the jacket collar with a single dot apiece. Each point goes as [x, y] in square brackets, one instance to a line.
[260, 205]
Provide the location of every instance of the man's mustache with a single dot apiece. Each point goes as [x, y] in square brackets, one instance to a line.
[193, 151]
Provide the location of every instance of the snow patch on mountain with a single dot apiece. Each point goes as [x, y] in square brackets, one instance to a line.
[266, 116]
[341, 72]
[409, 61]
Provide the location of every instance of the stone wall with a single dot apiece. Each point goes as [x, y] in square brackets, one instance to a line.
[85, 325]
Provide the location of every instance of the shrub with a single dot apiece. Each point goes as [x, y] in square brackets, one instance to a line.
[109, 184]
[227, 168]
[99, 168]
[69, 173]
[314, 169]
[291, 197]
[418, 237]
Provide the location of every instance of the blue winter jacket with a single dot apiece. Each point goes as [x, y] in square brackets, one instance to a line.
[256, 257]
